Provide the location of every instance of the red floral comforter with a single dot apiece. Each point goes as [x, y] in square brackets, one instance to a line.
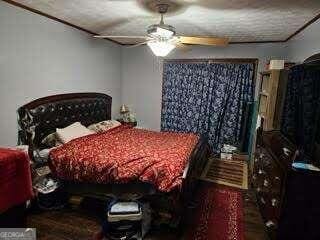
[125, 154]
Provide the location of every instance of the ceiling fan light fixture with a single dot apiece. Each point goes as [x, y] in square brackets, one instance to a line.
[161, 48]
[161, 31]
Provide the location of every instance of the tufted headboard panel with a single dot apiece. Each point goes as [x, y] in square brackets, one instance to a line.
[42, 116]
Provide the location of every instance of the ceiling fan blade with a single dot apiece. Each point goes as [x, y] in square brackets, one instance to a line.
[183, 47]
[138, 44]
[110, 36]
[211, 41]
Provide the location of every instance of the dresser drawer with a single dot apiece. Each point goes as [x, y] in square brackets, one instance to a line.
[266, 171]
[264, 159]
[276, 178]
[270, 207]
[268, 184]
[280, 147]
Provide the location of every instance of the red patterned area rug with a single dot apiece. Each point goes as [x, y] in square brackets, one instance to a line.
[219, 215]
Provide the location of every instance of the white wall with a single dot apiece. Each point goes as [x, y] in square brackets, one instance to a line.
[40, 57]
[142, 71]
[142, 74]
[305, 44]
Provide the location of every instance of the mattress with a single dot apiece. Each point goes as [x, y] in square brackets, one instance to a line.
[125, 154]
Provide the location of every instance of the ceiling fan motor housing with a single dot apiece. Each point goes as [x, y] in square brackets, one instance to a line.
[162, 7]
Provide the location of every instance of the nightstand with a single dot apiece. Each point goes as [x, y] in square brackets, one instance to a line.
[133, 124]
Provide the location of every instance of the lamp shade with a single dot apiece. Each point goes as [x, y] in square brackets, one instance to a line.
[124, 109]
[161, 48]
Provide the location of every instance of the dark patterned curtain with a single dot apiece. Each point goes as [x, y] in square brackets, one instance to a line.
[301, 105]
[207, 98]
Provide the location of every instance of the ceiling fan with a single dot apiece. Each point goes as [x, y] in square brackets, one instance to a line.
[162, 39]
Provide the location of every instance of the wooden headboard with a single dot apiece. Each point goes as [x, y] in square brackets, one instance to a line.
[42, 116]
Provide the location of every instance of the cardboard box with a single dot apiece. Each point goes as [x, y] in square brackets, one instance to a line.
[276, 64]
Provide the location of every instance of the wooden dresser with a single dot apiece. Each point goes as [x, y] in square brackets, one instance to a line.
[272, 161]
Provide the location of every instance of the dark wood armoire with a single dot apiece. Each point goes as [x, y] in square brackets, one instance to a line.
[289, 196]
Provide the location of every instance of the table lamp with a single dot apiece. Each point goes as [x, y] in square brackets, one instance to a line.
[124, 110]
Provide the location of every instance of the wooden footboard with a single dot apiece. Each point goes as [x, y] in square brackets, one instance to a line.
[198, 160]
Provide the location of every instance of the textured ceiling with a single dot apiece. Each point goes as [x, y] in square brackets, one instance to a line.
[240, 20]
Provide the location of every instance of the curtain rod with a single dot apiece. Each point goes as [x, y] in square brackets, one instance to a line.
[254, 61]
[213, 60]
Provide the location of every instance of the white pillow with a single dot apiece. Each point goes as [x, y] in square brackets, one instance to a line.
[73, 131]
[104, 125]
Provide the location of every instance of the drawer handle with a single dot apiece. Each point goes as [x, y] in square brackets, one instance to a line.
[277, 178]
[270, 224]
[274, 202]
[286, 151]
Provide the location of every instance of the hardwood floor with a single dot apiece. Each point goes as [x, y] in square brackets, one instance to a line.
[66, 224]
[254, 226]
[77, 223]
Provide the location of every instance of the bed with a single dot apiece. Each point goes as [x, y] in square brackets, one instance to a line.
[41, 117]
